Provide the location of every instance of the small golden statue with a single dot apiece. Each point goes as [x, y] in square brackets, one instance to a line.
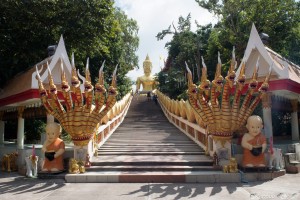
[9, 162]
[233, 165]
[73, 166]
[147, 80]
[81, 166]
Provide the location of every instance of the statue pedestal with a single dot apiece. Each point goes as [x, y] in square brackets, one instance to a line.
[222, 147]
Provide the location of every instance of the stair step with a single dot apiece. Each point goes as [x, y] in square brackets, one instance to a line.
[115, 145]
[147, 143]
[150, 168]
[148, 153]
[153, 163]
[149, 150]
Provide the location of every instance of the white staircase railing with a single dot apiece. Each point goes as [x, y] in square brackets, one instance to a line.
[182, 115]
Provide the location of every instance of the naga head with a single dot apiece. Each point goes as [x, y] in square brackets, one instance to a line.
[99, 87]
[265, 85]
[74, 80]
[192, 88]
[42, 90]
[241, 80]
[52, 89]
[88, 87]
[253, 82]
[112, 90]
[218, 81]
[231, 73]
[205, 83]
[64, 83]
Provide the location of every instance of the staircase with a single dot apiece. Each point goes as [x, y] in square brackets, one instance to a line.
[147, 148]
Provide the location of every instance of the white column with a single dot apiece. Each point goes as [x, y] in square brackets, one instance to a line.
[267, 115]
[2, 126]
[294, 121]
[20, 136]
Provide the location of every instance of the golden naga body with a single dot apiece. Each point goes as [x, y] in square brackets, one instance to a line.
[221, 119]
[81, 114]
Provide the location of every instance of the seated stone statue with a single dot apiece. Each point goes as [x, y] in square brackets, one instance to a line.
[53, 148]
[147, 80]
[254, 143]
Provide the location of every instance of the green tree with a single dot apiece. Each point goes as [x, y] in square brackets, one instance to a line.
[183, 48]
[34, 129]
[124, 50]
[172, 83]
[187, 47]
[91, 28]
[279, 19]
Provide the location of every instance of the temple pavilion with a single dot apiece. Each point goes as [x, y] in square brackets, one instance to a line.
[20, 98]
[284, 86]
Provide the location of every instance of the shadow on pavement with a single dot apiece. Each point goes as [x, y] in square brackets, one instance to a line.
[15, 184]
[183, 191]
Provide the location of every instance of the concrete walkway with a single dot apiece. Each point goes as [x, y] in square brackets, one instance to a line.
[13, 186]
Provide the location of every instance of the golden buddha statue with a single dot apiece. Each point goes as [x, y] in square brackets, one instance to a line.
[147, 80]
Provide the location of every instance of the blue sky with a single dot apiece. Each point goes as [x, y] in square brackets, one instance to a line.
[152, 17]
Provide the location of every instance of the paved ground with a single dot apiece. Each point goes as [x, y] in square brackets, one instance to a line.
[14, 186]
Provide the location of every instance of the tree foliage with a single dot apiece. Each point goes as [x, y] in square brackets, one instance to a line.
[34, 129]
[91, 28]
[279, 19]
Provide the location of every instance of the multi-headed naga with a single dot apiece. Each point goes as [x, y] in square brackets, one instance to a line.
[221, 115]
[81, 113]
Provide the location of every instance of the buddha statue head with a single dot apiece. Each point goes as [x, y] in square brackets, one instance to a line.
[147, 65]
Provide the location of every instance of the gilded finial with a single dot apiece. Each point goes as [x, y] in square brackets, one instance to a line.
[204, 71]
[255, 72]
[233, 61]
[219, 65]
[147, 57]
[189, 74]
[63, 74]
[114, 77]
[74, 73]
[243, 67]
[50, 78]
[101, 74]
[87, 71]
[38, 77]
[147, 61]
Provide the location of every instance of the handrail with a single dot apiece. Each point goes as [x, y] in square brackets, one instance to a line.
[181, 114]
[109, 124]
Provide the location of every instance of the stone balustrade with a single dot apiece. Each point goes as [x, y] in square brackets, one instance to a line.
[109, 123]
[182, 115]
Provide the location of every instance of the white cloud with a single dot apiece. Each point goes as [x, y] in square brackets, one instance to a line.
[152, 17]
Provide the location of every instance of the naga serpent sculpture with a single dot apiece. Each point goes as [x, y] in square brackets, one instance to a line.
[223, 118]
[81, 114]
